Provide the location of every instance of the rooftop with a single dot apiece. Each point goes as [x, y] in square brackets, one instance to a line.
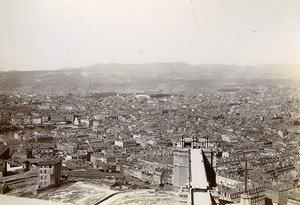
[3, 148]
[49, 162]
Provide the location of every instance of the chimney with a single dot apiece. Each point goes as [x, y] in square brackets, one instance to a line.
[246, 177]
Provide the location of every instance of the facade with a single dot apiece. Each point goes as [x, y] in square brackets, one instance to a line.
[181, 162]
[103, 162]
[49, 173]
[279, 193]
[180, 168]
[4, 155]
[97, 160]
[248, 199]
[294, 199]
[229, 181]
[230, 138]
[254, 196]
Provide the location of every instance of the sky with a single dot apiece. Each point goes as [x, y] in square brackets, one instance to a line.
[52, 34]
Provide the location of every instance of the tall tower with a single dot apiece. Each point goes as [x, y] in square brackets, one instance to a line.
[180, 168]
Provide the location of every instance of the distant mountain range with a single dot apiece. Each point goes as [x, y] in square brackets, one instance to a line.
[165, 77]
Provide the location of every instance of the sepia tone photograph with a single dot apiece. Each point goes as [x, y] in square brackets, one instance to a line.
[150, 102]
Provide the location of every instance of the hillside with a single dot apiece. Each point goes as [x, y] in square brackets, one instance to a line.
[168, 77]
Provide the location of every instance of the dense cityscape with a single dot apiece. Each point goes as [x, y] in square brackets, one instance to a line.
[125, 143]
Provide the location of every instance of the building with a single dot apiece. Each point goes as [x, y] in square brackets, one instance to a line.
[4, 156]
[278, 194]
[49, 173]
[100, 161]
[255, 194]
[229, 181]
[294, 199]
[252, 199]
[188, 142]
[37, 121]
[294, 129]
[128, 144]
[97, 159]
[194, 173]
[142, 96]
[181, 161]
[180, 168]
[230, 138]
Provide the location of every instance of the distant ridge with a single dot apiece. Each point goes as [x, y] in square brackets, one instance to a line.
[171, 77]
[67, 68]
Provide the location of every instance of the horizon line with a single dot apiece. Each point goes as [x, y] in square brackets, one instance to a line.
[172, 62]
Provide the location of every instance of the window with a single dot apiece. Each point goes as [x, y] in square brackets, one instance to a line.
[50, 166]
[45, 171]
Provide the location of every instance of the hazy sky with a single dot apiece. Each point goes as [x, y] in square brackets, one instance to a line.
[51, 34]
